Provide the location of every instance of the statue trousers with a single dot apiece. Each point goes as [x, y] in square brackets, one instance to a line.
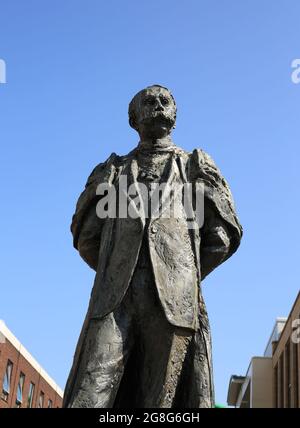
[134, 357]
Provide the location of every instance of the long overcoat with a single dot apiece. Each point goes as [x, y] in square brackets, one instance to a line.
[180, 256]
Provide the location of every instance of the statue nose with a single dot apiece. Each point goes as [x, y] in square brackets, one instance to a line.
[159, 107]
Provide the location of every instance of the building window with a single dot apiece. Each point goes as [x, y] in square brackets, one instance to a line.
[7, 380]
[288, 386]
[275, 383]
[20, 390]
[50, 405]
[30, 395]
[281, 382]
[41, 400]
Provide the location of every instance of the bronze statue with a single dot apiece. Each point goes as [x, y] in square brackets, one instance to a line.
[146, 341]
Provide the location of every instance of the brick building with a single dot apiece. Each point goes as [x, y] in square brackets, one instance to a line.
[272, 380]
[23, 382]
[286, 362]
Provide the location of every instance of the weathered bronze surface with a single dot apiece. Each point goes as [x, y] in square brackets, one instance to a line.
[146, 340]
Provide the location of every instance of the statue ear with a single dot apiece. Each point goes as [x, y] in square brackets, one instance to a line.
[132, 123]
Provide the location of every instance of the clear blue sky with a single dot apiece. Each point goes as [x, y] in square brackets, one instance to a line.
[72, 68]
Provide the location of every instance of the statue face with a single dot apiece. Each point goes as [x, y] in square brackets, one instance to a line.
[155, 109]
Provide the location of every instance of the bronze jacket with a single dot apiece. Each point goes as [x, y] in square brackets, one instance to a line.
[180, 257]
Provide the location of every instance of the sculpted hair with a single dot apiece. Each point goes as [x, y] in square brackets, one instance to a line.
[134, 101]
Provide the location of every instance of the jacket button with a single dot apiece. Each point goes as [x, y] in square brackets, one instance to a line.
[153, 229]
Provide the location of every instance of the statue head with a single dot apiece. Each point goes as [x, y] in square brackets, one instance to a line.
[152, 112]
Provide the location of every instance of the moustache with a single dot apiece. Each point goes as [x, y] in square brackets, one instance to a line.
[163, 117]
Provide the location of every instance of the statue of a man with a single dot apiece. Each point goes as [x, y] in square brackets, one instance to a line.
[146, 341]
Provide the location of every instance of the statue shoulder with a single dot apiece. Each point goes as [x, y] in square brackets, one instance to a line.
[217, 189]
[202, 159]
[112, 161]
[104, 171]
[201, 165]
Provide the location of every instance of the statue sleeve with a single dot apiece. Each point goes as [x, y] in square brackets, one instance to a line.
[86, 226]
[215, 242]
[221, 231]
